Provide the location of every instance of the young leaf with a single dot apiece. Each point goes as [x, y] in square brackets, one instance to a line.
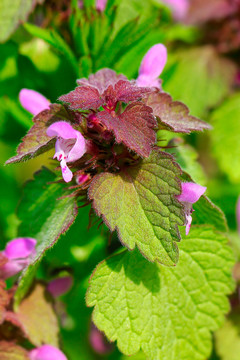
[54, 39]
[134, 127]
[174, 115]
[38, 318]
[139, 202]
[4, 300]
[44, 217]
[36, 141]
[225, 139]
[167, 312]
[11, 351]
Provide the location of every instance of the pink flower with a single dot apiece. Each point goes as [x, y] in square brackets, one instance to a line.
[33, 101]
[152, 66]
[98, 341]
[191, 193]
[70, 145]
[60, 286]
[179, 8]
[19, 253]
[46, 352]
[101, 4]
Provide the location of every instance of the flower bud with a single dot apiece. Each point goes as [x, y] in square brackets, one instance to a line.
[60, 286]
[19, 253]
[33, 101]
[46, 352]
[152, 66]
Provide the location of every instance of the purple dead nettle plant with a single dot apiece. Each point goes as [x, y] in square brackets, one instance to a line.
[107, 126]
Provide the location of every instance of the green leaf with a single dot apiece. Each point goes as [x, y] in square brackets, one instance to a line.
[186, 156]
[228, 338]
[38, 318]
[11, 351]
[168, 312]
[11, 14]
[225, 139]
[139, 202]
[44, 217]
[207, 213]
[200, 78]
[54, 39]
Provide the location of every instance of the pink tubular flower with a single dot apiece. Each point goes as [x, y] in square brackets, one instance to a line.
[191, 193]
[33, 101]
[46, 352]
[101, 4]
[70, 146]
[60, 286]
[19, 253]
[179, 8]
[152, 66]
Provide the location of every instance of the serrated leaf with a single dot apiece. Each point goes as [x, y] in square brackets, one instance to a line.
[167, 312]
[55, 40]
[174, 115]
[227, 339]
[199, 79]
[36, 141]
[134, 127]
[12, 351]
[11, 16]
[139, 202]
[38, 318]
[44, 217]
[225, 139]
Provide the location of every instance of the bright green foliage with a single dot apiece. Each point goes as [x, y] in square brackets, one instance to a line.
[207, 213]
[139, 202]
[11, 351]
[38, 306]
[168, 312]
[11, 13]
[54, 39]
[228, 338]
[225, 137]
[198, 78]
[44, 217]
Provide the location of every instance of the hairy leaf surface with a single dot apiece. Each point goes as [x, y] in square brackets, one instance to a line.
[167, 312]
[139, 202]
[38, 318]
[134, 127]
[44, 217]
[174, 115]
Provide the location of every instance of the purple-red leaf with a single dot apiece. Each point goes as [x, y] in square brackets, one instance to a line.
[174, 115]
[102, 79]
[134, 127]
[83, 97]
[36, 141]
